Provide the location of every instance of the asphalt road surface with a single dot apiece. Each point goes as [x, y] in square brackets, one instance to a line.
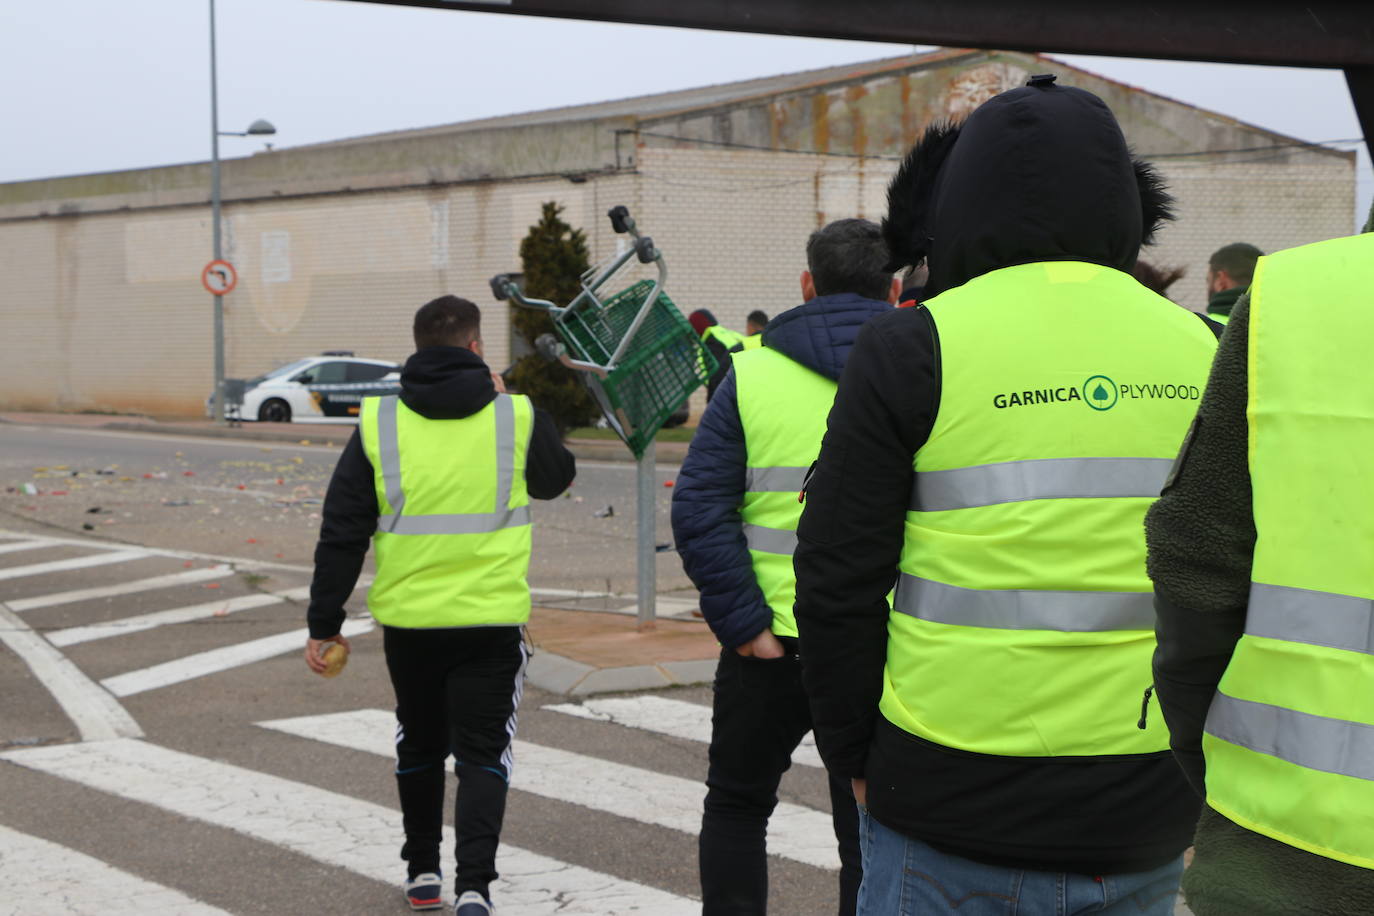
[164, 751]
[261, 501]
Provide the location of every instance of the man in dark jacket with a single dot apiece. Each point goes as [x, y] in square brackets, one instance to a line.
[1204, 598]
[976, 458]
[1229, 271]
[450, 590]
[734, 517]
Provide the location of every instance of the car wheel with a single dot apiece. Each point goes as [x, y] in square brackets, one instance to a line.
[275, 410]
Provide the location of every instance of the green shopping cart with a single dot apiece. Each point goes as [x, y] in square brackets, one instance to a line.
[640, 357]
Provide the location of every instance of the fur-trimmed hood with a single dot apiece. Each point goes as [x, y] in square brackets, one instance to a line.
[1037, 173]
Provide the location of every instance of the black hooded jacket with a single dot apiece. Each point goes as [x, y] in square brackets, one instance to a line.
[440, 383]
[1036, 174]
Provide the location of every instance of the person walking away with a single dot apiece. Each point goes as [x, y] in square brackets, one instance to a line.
[992, 454]
[1229, 272]
[735, 515]
[1265, 666]
[719, 341]
[753, 330]
[439, 479]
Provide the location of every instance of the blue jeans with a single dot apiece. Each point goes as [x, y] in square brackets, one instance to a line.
[905, 877]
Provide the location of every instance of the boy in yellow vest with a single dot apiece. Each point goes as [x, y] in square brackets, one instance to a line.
[439, 479]
[734, 518]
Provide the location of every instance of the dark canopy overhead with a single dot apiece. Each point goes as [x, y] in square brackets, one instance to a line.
[1337, 35]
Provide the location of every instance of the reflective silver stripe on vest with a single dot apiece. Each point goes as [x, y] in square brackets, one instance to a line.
[1315, 742]
[388, 449]
[775, 480]
[1311, 617]
[771, 540]
[1007, 609]
[1042, 478]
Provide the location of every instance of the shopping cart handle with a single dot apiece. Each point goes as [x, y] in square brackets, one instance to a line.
[645, 250]
[620, 219]
[500, 286]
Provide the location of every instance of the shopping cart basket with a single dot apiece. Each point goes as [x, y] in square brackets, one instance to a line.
[640, 357]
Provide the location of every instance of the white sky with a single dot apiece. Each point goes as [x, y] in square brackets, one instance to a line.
[93, 85]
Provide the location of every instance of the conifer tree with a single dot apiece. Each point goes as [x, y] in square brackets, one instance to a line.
[553, 256]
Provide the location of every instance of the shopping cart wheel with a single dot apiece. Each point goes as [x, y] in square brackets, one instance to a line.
[620, 219]
[500, 286]
[645, 251]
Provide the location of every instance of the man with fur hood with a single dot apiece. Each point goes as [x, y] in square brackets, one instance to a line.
[734, 518]
[992, 454]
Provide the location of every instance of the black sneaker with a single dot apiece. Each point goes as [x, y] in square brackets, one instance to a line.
[426, 891]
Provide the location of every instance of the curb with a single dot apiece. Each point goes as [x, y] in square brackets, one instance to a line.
[558, 674]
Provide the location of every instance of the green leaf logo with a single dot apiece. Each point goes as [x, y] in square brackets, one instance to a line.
[1100, 393]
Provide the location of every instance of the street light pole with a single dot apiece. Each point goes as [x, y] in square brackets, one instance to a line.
[257, 128]
[214, 219]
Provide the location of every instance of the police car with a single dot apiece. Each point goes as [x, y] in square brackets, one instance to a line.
[317, 389]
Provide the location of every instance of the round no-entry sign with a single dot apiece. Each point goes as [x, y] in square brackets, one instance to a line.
[219, 277]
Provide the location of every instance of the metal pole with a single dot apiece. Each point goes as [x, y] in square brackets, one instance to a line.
[214, 218]
[647, 535]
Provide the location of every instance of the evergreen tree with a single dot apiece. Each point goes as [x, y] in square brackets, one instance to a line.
[553, 256]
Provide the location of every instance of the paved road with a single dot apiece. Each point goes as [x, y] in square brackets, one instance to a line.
[163, 750]
[262, 501]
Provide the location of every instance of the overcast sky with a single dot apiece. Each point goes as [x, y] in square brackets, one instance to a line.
[93, 85]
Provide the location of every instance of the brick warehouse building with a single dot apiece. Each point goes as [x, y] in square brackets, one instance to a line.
[337, 243]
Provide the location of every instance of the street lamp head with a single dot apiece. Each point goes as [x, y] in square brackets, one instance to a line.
[260, 127]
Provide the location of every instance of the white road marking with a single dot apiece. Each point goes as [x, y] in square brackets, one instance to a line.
[96, 714]
[794, 832]
[73, 635]
[676, 718]
[241, 563]
[328, 827]
[273, 444]
[124, 588]
[96, 559]
[25, 545]
[216, 660]
[43, 877]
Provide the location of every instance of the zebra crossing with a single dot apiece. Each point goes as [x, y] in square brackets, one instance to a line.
[606, 796]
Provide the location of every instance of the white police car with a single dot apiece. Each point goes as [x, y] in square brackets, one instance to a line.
[317, 389]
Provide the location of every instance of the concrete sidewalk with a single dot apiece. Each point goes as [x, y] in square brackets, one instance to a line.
[328, 434]
[579, 653]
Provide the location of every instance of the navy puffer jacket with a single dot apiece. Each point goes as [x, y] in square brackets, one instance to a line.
[710, 488]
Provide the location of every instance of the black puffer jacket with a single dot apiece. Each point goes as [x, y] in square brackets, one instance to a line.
[1035, 174]
[710, 487]
[440, 383]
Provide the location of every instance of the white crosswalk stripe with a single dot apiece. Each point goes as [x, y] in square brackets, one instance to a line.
[217, 660]
[675, 718]
[95, 559]
[16, 546]
[123, 627]
[187, 577]
[325, 826]
[794, 832]
[43, 877]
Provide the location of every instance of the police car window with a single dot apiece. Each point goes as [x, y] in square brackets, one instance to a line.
[365, 372]
[327, 373]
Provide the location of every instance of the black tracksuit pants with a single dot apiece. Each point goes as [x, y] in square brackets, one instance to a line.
[457, 692]
[759, 716]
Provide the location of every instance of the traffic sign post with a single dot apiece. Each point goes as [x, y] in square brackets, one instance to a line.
[219, 277]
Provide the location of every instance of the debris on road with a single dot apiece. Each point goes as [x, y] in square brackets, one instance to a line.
[604, 512]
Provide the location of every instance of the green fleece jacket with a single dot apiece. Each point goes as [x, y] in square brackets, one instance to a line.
[1201, 539]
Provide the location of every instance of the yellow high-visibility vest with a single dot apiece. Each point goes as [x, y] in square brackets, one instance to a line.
[783, 406]
[1023, 622]
[452, 544]
[1289, 738]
